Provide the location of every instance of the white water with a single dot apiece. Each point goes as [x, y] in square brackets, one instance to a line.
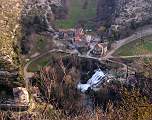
[93, 83]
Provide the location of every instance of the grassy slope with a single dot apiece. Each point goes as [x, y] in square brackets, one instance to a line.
[36, 65]
[138, 47]
[44, 61]
[76, 13]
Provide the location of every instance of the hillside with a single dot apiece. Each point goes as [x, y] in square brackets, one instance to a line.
[75, 60]
[17, 24]
[10, 66]
[78, 11]
[124, 15]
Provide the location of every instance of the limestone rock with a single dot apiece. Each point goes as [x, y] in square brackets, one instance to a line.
[21, 95]
[37, 16]
[124, 13]
[10, 69]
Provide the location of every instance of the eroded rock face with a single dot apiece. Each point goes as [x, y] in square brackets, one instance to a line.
[37, 16]
[21, 95]
[133, 10]
[18, 19]
[124, 13]
[105, 11]
[10, 69]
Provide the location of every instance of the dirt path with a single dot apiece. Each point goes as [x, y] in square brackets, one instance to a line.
[28, 75]
[118, 44]
[135, 36]
[134, 56]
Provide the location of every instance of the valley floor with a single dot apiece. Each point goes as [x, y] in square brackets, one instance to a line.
[117, 51]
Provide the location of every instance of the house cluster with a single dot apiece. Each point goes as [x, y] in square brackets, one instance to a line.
[100, 49]
[79, 38]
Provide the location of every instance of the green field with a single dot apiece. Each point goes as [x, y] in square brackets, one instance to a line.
[76, 13]
[44, 61]
[138, 47]
[41, 43]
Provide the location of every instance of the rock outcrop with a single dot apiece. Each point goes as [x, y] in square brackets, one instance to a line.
[105, 11]
[124, 13]
[37, 16]
[21, 96]
[10, 65]
[18, 20]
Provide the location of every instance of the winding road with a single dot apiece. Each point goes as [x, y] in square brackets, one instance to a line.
[137, 35]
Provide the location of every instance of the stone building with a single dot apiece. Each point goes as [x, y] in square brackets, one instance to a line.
[100, 49]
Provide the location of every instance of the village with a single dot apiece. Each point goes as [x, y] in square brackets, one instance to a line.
[88, 44]
[82, 41]
[75, 60]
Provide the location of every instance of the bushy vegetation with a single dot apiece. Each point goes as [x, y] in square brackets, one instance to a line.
[57, 78]
[61, 100]
[33, 21]
[114, 101]
[10, 28]
[45, 60]
[10, 34]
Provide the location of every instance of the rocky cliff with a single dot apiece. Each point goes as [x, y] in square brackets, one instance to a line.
[10, 67]
[124, 13]
[105, 11]
[37, 16]
[40, 14]
[18, 19]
